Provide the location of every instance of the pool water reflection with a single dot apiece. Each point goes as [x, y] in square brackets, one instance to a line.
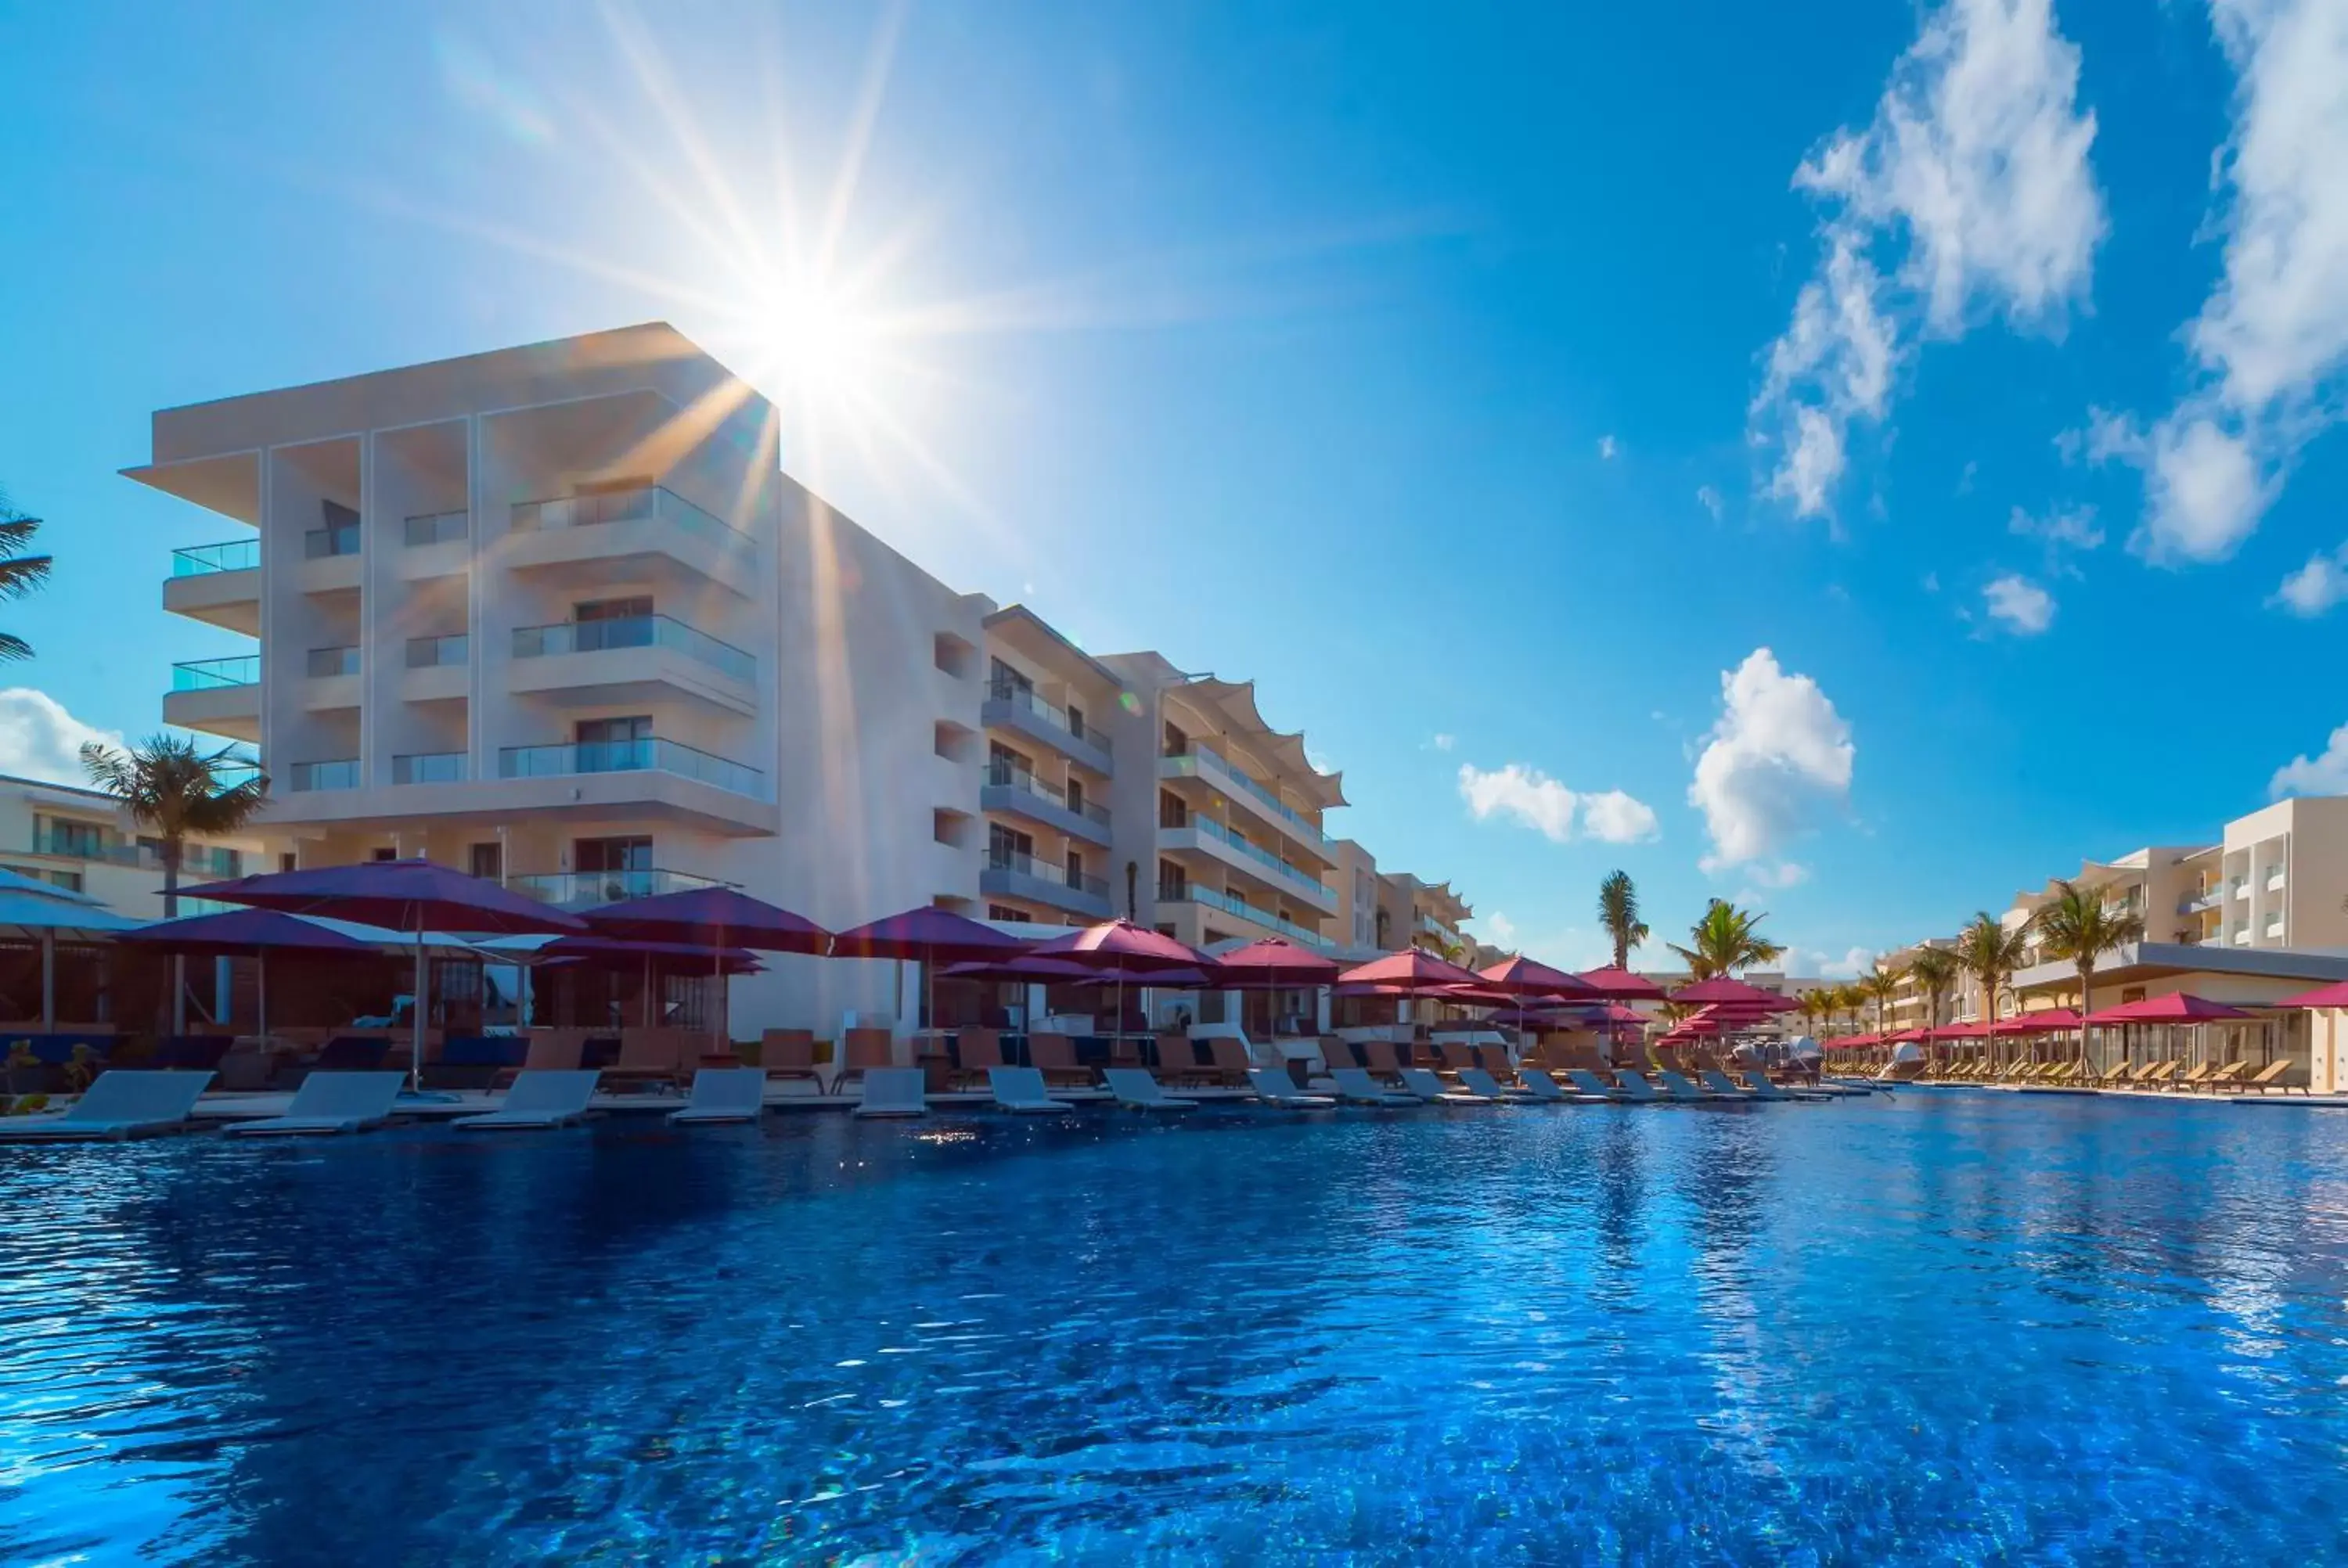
[1952, 1327]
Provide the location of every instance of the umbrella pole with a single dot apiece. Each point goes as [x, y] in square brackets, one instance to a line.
[48, 982]
[416, 1041]
[717, 1030]
[261, 993]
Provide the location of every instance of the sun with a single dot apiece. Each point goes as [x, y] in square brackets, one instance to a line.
[816, 340]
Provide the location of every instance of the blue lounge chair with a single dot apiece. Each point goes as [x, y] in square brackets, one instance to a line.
[331, 1103]
[120, 1103]
[540, 1097]
[725, 1094]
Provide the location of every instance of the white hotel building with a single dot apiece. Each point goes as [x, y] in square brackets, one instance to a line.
[555, 615]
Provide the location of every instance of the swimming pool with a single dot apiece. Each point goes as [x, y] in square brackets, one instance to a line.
[1952, 1327]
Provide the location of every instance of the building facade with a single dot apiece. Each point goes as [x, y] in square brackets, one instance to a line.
[83, 841]
[554, 615]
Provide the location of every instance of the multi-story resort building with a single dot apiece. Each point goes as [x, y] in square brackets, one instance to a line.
[555, 615]
[83, 841]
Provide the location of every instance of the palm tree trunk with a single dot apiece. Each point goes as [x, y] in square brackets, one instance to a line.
[172, 849]
[2087, 978]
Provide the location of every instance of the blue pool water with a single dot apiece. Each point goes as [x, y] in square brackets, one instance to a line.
[1954, 1327]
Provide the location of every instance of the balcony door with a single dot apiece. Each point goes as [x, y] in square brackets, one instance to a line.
[610, 869]
[613, 745]
[1007, 849]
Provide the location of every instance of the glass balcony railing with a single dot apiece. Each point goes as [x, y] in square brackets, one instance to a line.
[429, 652]
[1025, 698]
[342, 540]
[202, 561]
[435, 528]
[429, 767]
[583, 889]
[1262, 856]
[327, 663]
[86, 841]
[1002, 777]
[1045, 871]
[341, 773]
[1205, 762]
[647, 503]
[631, 756]
[211, 674]
[634, 632]
[1216, 899]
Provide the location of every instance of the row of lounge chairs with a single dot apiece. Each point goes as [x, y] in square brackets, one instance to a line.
[2235, 1077]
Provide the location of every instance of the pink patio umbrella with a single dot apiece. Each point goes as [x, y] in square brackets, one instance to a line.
[929, 935]
[244, 934]
[1274, 963]
[1413, 970]
[1740, 999]
[1120, 948]
[410, 897]
[714, 918]
[1524, 977]
[1622, 985]
[2334, 995]
[2178, 1007]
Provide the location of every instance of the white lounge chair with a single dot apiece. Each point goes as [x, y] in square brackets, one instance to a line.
[121, 1102]
[1677, 1087]
[1589, 1082]
[1482, 1085]
[1274, 1087]
[1539, 1086]
[894, 1091]
[540, 1097]
[328, 1103]
[1357, 1087]
[1719, 1083]
[1764, 1088]
[1137, 1091]
[1021, 1089]
[725, 1094]
[1421, 1083]
[1636, 1085]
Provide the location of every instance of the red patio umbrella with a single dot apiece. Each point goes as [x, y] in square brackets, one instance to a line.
[1120, 948]
[1274, 963]
[244, 934]
[410, 897]
[1413, 969]
[1720, 989]
[2176, 1007]
[2046, 1021]
[1526, 976]
[929, 935]
[2334, 995]
[713, 917]
[1622, 985]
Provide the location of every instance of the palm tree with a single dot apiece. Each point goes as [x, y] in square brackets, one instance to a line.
[1989, 953]
[1933, 970]
[1848, 1000]
[1727, 940]
[1618, 911]
[167, 785]
[1879, 985]
[1812, 1006]
[2077, 926]
[20, 574]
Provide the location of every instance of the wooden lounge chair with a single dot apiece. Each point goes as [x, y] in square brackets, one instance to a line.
[1378, 1059]
[866, 1051]
[2156, 1076]
[2227, 1077]
[1233, 1064]
[977, 1052]
[549, 1051]
[786, 1053]
[1178, 1061]
[649, 1059]
[2195, 1079]
[1054, 1055]
[1456, 1054]
[2267, 1080]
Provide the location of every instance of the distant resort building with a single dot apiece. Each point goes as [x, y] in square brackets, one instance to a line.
[555, 615]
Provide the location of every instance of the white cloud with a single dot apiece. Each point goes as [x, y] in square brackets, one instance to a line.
[1974, 173]
[1442, 742]
[2325, 774]
[1932, 582]
[1778, 756]
[2316, 587]
[1809, 961]
[2271, 342]
[1531, 798]
[1613, 817]
[1499, 928]
[1709, 499]
[39, 739]
[2025, 608]
[1606, 449]
[2065, 528]
[1782, 875]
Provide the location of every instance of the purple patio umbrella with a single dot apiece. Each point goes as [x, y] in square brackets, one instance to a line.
[410, 897]
[930, 936]
[1274, 963]
[1117, 946]
[244, 934]
[712, 919]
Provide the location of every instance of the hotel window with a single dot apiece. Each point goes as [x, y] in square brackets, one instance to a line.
[1003, 680]
[603, 854]
[1076, 721]
[288, 861]
[1173, 882]
[1077, 794]
[487, 861]
[1005, 912]
[1177, 744]
[1076, 869]
[1004, 766]
[1172, 812]
[384, 852]
[1007, 849]
[82, 840]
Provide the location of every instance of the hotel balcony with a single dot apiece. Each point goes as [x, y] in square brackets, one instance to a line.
[1040, 882]
[1222, 904]
[435, 545]
[330, 559]
[586, 889]
[437, 669]
[1205, 836]
[639, 658]
[1015, 793]
[217, 584]
[218, 696]
[2195, 903]
[1008, 707]
[331, 679]
[611, 538]
[1203, 767]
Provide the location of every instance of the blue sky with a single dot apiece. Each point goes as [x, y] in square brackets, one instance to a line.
[1858, 467]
